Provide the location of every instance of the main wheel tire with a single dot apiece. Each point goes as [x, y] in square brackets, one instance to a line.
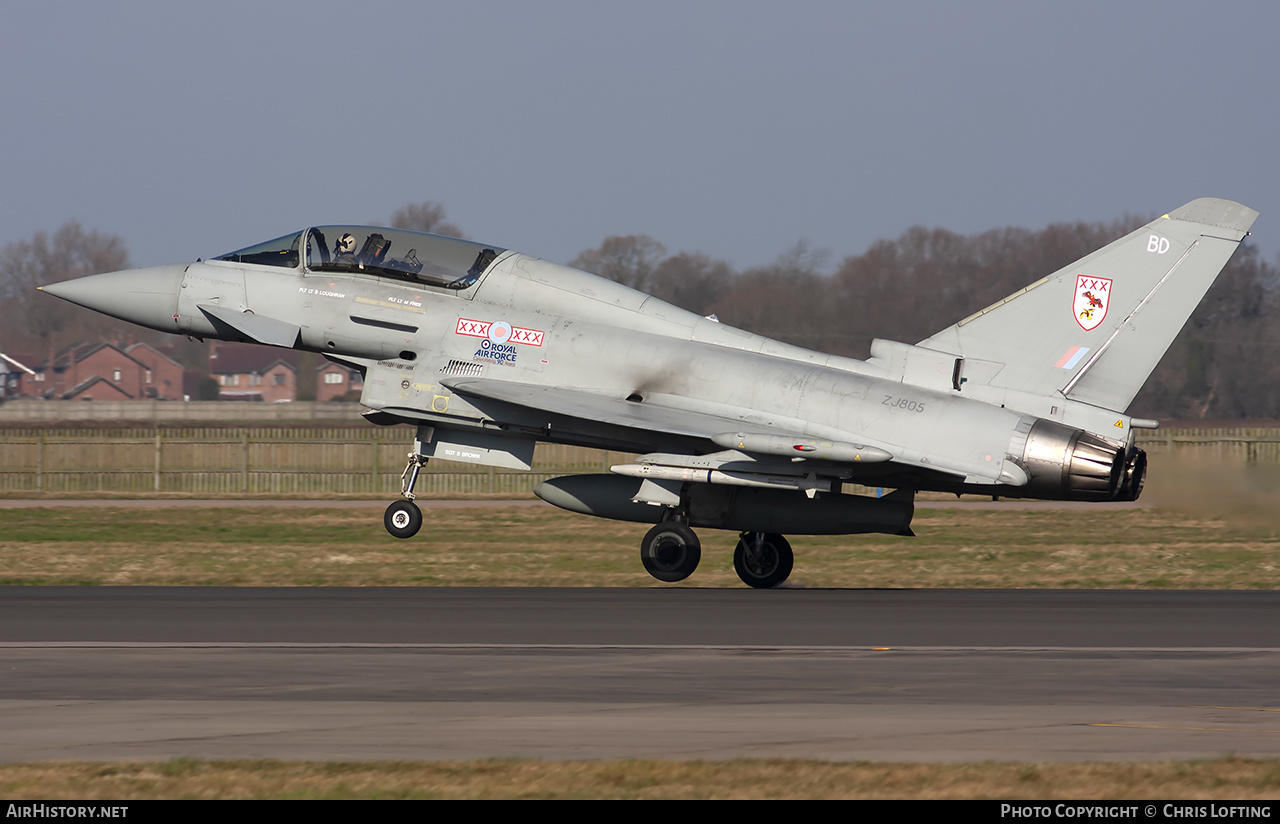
[766, 566]
[403, 519]
[670, 551]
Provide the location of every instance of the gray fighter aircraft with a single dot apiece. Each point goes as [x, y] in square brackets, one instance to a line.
[488, 351]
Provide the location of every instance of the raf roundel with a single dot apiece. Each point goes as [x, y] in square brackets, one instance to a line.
[500, 332]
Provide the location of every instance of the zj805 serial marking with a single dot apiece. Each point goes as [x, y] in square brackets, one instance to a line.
[903, 403]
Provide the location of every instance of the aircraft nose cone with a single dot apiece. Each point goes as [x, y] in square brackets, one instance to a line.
[147, 297]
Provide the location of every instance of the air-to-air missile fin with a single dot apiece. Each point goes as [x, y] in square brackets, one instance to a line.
[1094, 330]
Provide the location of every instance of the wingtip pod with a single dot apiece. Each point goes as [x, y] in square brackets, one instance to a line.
[1219, 213]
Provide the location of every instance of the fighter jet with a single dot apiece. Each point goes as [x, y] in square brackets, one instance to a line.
[487, 351]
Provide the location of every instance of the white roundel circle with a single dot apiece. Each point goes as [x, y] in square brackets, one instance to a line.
[500, 332]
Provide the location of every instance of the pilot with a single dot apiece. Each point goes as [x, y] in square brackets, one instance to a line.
[345, 247]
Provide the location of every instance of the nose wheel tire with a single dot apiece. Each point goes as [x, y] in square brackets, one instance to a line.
[762, 559]
[670, 551]
[403, 519]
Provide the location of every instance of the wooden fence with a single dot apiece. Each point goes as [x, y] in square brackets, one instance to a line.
[1244, 445]
[253, 460]
[366, 459]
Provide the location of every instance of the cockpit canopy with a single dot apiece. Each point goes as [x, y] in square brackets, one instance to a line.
[392, 253]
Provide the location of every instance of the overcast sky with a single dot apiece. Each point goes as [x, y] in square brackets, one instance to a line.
[731, 128]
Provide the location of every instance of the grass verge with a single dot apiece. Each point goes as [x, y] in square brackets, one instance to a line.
[1224, 779]
[542, 546]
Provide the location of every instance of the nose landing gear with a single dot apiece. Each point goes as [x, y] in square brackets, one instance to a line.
[403, 519]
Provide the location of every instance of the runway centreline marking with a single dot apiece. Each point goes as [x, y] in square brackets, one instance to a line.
[269, 645]
[1188, 729]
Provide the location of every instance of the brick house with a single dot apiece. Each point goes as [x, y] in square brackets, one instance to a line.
[93, 371]
[164, 375]
[246, 372]
[335, 382]
[97, 388]
[16, 377]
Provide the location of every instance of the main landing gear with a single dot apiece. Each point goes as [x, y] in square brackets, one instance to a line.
[762, 559]
[403, 519]
[671, 551]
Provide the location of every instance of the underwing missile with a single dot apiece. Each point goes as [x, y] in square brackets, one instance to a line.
[804, 448]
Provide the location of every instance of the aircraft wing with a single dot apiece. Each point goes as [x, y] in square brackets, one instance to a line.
[727, 432]
[575, 403]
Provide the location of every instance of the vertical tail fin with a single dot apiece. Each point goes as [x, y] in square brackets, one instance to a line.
[1094, 331]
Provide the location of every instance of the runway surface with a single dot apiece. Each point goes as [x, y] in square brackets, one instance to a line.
[356, 674]
[485, 503]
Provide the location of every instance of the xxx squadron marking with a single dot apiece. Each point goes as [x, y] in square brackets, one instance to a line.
[1091, 299]
[499, 332]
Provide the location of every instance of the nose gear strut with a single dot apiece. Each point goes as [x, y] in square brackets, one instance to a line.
[403, 518]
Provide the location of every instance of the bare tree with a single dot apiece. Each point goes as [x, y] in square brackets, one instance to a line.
[787, 300]
[426, 216]
[692, 280]
[927, 279]
[40, 323]
[627, 259]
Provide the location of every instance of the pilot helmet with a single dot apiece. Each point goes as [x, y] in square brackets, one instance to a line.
[346, 244]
